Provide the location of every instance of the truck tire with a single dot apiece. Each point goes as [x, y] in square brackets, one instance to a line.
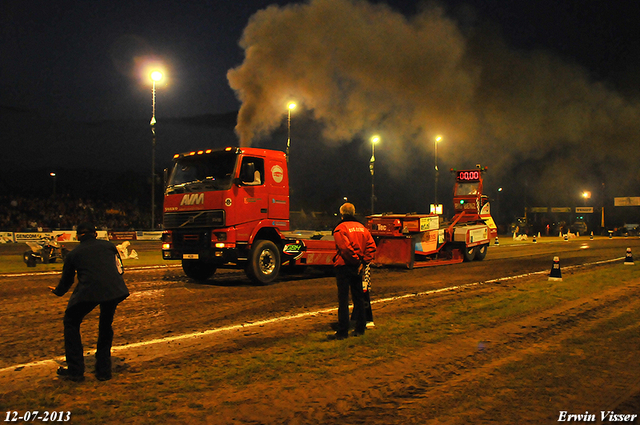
[481, 252]
[469, 253]
[264, 262]
[198, 270]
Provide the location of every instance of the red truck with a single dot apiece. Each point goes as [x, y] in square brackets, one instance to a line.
[229, 208]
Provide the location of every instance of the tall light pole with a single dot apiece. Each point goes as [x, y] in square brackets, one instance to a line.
[374, 140]
[435, 150]
[53, 175]
[498, 211]
[155, 76]
[602, 226]
[290, 107]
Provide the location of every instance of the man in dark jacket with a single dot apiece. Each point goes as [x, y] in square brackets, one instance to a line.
[100, 282]
[355, 248]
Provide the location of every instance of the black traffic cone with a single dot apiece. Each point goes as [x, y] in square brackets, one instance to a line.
[497, 243]
[628, 260]
[534, 238]
[555, 274]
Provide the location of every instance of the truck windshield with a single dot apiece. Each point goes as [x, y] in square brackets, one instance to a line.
[202, 172]
[467, 189]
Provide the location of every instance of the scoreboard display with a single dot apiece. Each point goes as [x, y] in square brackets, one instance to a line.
[468, 176]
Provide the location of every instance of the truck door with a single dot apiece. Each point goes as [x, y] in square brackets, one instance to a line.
[252, 194]
[278, 187]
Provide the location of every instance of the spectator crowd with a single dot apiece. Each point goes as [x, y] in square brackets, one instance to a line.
[25, 214]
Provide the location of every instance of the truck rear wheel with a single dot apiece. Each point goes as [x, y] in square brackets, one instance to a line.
[469, 253]
[481, 252]
[264, 262]
[198, 270]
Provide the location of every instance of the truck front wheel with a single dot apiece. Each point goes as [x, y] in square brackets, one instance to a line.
[198, 270]
[264, 262]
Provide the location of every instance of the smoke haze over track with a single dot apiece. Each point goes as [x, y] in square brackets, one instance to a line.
[361, 69]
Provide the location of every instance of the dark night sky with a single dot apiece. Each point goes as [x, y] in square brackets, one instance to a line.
[74, 58]
[69, 67]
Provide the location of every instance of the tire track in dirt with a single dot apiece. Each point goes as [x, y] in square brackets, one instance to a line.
[428, 384]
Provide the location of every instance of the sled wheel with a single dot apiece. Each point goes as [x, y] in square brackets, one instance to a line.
[469, 253]
[481, 252]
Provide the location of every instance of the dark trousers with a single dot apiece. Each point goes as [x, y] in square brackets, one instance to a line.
[347, 278]
[368, 313]
[73, 317]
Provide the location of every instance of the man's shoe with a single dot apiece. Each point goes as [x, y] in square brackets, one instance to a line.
[337, 336]
[356, 333]
[336, 326]
[103, 377]
[370, 325]
[64, 373]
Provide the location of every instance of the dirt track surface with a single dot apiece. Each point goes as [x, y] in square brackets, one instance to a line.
[459, 381]
[426, 386]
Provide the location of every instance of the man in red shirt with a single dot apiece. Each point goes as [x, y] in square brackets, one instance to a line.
[355, 248]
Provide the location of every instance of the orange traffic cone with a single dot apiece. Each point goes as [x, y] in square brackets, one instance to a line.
[555, 274]
[628, 261]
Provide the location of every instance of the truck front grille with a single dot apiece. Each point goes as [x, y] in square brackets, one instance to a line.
[191, 241]
[192, 219]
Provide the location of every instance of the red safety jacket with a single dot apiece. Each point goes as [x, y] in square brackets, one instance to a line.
[354, 243]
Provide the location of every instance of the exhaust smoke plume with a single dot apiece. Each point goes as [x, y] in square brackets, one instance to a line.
[361, 69]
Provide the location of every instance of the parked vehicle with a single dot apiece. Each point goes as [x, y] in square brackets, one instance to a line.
[579, 227]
